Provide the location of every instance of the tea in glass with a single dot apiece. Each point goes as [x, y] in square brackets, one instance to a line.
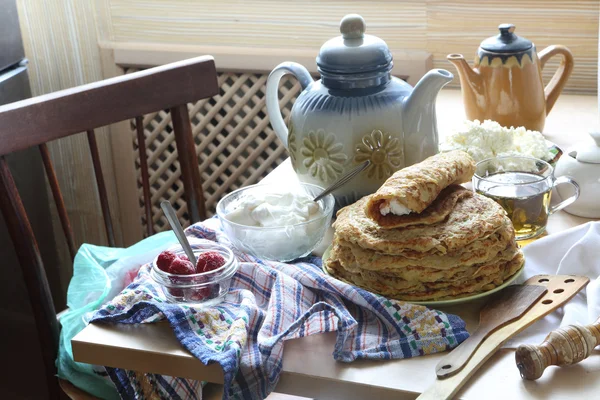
[523, 187]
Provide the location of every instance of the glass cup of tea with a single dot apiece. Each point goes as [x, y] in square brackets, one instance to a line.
[523, 187]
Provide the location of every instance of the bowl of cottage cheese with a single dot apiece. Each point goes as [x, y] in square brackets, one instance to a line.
[274, 221]
[488, 139]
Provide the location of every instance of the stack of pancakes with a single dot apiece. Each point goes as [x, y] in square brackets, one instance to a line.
[452, 244]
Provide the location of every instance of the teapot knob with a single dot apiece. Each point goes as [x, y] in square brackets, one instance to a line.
[352, 26]
[506, 29]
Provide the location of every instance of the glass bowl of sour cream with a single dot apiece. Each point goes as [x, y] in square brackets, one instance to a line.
[274, 221]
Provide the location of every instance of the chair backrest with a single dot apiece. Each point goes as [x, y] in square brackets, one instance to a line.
[33, 122]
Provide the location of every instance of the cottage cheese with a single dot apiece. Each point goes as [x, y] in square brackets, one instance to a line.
[394, 207]
[490, 139]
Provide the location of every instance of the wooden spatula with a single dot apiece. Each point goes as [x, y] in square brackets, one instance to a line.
[506, 306]
[561, 288]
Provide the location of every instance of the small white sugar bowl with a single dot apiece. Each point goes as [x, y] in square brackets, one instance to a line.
[582, 164]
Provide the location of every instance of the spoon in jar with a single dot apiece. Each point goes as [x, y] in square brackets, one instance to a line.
[347, 177]
[178, 230]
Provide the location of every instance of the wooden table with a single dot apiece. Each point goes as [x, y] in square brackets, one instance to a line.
[308, 366]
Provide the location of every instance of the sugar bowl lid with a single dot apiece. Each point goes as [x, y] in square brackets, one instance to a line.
[354, 51]
[506, 41]
[590, 154]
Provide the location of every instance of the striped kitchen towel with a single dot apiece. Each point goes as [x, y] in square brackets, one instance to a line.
[269, 303]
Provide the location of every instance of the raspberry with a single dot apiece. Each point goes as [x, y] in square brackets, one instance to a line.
[184, 257]
[175, 292]
[181, 267]
[209, 261]
[199, 294]
[164, 260]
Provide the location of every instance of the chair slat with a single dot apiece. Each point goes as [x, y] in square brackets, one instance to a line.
[102, 194]
[139, 126]
[33, 272]
[58, 199]
[188, 160]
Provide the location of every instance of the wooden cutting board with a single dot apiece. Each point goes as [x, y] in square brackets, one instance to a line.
[560, 289]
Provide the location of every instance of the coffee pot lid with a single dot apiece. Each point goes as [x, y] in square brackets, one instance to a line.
[590, 154]
[506, 41]
[354, 52]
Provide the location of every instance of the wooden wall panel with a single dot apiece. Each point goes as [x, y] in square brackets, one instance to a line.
[437, 26]
[262, 23]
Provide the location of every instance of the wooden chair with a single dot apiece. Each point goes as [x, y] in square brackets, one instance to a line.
[36, 121]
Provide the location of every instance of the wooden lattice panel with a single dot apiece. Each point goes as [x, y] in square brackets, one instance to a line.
[235, 143]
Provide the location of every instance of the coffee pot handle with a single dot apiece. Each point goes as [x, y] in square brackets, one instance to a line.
[303, 76]
[558, 81]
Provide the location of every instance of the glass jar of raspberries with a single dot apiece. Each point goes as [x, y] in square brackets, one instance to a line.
[207, 282]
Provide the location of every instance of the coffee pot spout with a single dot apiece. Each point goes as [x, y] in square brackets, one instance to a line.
[470, 80]
[419, 119]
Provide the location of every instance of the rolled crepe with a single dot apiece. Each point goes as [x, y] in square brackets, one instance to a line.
[413, 189]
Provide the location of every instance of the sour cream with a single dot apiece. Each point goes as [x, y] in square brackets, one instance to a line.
[274, 209]
[394, 207]
[276, 226]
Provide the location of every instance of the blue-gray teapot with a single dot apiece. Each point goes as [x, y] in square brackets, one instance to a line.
[357, 111]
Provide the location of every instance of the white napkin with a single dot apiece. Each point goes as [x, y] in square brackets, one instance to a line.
[575, 251]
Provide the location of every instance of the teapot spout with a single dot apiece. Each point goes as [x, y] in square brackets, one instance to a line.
[470, 80]
[419, 119]
[427, 89]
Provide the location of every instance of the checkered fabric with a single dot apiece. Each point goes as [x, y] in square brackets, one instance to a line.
[269, 303]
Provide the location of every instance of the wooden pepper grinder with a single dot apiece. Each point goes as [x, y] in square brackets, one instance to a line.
[564, 346]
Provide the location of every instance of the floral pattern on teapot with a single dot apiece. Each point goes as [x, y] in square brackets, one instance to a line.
[384, 151]
[323, 155]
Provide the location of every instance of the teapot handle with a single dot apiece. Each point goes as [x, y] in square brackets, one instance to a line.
[303, 76]
[558, 81]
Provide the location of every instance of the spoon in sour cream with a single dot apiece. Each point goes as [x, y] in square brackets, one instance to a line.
[347, 177]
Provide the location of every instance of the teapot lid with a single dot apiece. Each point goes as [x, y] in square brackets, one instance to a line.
[506, 41]
[354, 51]
[590, 154]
